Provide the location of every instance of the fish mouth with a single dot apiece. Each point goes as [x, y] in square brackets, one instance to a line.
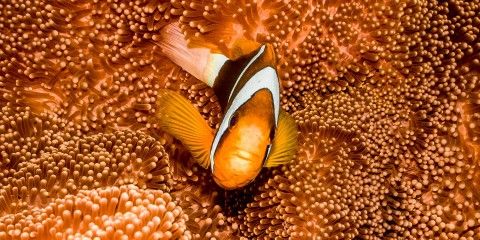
[238, 169]
[244, 155]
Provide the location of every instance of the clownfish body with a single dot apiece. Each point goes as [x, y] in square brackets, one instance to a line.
[241, 155]
[253, 132]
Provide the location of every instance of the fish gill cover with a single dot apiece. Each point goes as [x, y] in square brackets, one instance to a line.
[386, 95]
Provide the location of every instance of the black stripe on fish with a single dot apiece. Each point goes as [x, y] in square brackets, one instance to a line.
[235, 73]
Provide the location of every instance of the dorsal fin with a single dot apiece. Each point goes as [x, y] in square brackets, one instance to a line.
[202, 59]
[243, 46]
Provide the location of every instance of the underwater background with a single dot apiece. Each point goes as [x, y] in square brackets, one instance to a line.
[386, 95]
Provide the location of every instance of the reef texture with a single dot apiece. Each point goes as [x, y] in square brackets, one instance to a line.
[386, 95]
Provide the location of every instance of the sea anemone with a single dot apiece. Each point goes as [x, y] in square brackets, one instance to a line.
[124, 212]
[386, 95]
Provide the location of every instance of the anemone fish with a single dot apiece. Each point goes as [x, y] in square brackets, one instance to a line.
[254, 131]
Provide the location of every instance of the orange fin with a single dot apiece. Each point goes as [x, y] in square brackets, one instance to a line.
[178, 117]
[200, 42]
[285, 143]
[201, 61]
[227, 40]
[174, 45]
[243, 46]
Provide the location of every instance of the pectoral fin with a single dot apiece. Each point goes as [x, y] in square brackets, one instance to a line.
[284, 144]
[178, 117]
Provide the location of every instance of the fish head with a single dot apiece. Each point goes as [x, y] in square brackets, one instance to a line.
[245, 144]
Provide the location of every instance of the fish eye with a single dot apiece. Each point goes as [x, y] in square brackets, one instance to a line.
[233, 120]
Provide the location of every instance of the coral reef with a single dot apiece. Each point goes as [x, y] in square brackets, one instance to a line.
[386, 95]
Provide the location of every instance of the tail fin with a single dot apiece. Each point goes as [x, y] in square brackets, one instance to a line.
[174, 46]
